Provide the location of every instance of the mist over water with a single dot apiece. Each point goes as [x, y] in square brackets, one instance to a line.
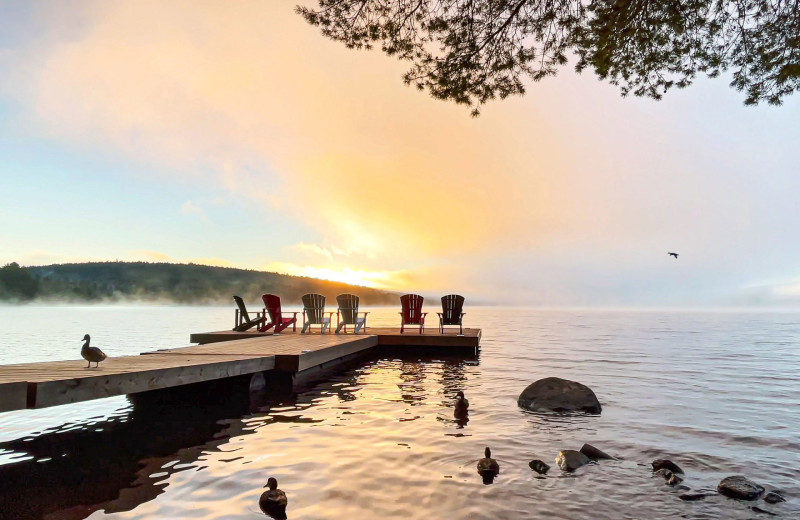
[717, 392]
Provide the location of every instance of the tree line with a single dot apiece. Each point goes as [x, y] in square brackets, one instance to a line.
[154, 282]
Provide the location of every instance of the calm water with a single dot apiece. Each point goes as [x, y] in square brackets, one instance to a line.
[716, 392]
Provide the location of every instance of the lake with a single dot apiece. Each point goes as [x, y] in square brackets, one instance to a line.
[717, 392]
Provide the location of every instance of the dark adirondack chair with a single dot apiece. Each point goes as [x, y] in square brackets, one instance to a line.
[411, 313]
[348, 314]
[314, 313]
[272, 308]
[451, 314]
[243, 321]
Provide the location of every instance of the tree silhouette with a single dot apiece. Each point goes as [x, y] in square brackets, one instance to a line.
[473, 51]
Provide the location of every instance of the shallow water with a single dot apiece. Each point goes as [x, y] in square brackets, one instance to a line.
[715, 391]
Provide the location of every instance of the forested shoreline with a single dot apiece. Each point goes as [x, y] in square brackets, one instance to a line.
[163, 282]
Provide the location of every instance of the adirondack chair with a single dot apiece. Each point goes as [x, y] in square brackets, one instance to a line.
[412, 312]
[242, 320]
[272, 307]
[314, 313]
[348, 314]
[451, 314]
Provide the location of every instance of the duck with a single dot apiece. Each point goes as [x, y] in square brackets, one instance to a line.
[91, 354]
[273, 501]
[462, 405]
[487, 465]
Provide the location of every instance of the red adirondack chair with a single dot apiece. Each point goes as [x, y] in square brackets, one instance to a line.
[412, 312]
[272, 306]
[451, 314]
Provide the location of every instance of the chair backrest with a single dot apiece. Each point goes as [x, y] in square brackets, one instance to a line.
[314, 307]
[452, 305]
[348, 308]
[411, 308]
[242, 308]
[273, 305]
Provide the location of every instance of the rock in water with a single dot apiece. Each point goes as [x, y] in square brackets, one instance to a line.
[666, 464]
[757, 509]
[553, 394]
[539, 466]
[773, 498]
[670, 478]
[595, 454]
[694, 497]
[740, 487]
[570, 460]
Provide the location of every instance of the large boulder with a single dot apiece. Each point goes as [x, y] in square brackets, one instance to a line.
[570, 460]
[740, 487]
[553, 394]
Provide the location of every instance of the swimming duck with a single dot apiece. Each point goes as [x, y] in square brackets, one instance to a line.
[462, 405]
[487, 466]
[273, 501]
[91, 354]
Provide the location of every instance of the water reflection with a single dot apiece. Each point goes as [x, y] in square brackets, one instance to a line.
[124, 460]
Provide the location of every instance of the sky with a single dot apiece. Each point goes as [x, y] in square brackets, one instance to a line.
[234, 134]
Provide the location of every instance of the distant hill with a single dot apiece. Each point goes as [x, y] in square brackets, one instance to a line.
[179, 283]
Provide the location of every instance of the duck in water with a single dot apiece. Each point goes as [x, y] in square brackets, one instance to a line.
[488, 467]
[273, 501]
[462, 405]
[91, 354]
[461, 411]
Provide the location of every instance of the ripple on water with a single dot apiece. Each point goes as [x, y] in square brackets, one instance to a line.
[715, 392]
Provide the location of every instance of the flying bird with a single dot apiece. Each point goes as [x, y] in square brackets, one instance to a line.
[673, 254]
[91, 354]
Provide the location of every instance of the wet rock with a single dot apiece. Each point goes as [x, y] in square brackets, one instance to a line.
[694, 497]
[594, 453]
[773, 497]
[570, 460]
[539, 466]
[740, 487]
[666, 464]
[670, 478]
[553, 394]
[757, 509]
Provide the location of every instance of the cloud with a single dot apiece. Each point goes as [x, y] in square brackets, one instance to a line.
[190, 208]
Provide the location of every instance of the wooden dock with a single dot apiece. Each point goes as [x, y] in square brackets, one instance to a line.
[219, 355]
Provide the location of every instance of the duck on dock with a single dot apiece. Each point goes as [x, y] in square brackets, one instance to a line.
[273, 501]
[488, 467]
[91, 354]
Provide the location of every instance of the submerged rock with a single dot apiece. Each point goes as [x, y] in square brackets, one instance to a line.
[757, 509]
[553, 394]
[670, 478]
[666, 464]
[773, 497]
[570, 460]
[694, 497]
[740, 487]
[594, 453]
[539, 466]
